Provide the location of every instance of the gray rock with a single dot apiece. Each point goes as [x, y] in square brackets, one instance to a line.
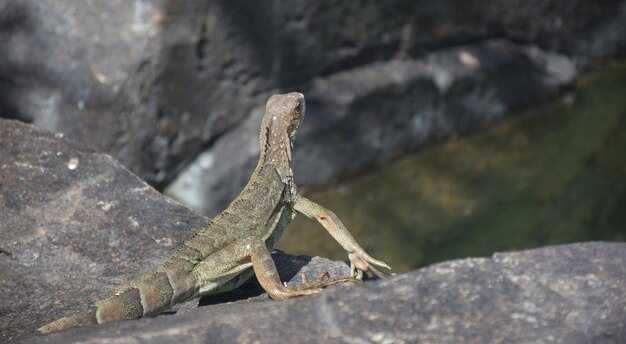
[149, 82]
[74, 225]
[154, 82]
[357, 118]
[563, 294]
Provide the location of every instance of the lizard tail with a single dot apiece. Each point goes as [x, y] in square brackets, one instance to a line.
[148, 295]
[125, 305]
[80, 319]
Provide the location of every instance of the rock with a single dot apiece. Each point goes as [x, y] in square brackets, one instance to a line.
[357, 118]
[154, 83]
[75, 225]
[562, 294]
[149, 82]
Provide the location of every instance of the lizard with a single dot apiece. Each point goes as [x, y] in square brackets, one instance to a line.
[236, 244]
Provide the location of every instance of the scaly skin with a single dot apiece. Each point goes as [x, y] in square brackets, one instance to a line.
[237, 242]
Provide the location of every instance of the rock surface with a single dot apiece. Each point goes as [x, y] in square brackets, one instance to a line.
[563, 294]
[74, 225]
[154, 83]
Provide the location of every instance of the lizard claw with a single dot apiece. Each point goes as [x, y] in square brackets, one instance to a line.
[362, 262]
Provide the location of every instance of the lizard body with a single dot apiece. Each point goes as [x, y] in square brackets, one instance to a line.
[236, 243]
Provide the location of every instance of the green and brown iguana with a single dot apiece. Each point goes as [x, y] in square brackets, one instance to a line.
[236, 243]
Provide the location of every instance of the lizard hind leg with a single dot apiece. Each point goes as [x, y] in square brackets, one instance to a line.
[252, 250]
[266, 273]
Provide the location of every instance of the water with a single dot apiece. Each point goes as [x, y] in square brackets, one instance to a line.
[558, 176]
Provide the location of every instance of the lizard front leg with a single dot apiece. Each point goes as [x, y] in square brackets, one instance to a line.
[360, 261]
[253, 251]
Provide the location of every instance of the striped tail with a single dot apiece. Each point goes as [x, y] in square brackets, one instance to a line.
[148, 295]
[80, 319]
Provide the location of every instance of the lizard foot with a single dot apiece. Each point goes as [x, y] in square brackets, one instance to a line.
[362, 262]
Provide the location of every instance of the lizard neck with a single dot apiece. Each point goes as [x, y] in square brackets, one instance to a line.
[275, 152]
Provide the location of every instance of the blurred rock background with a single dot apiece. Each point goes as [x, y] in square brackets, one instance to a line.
[174, 90]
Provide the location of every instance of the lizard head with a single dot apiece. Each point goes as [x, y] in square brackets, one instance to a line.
[283, 115]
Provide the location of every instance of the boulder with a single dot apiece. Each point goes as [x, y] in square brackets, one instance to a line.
[562, 294]
[75, 225]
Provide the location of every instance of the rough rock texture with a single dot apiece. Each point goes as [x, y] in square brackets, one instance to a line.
[563, 294]
[156, 82]
[74, 225]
